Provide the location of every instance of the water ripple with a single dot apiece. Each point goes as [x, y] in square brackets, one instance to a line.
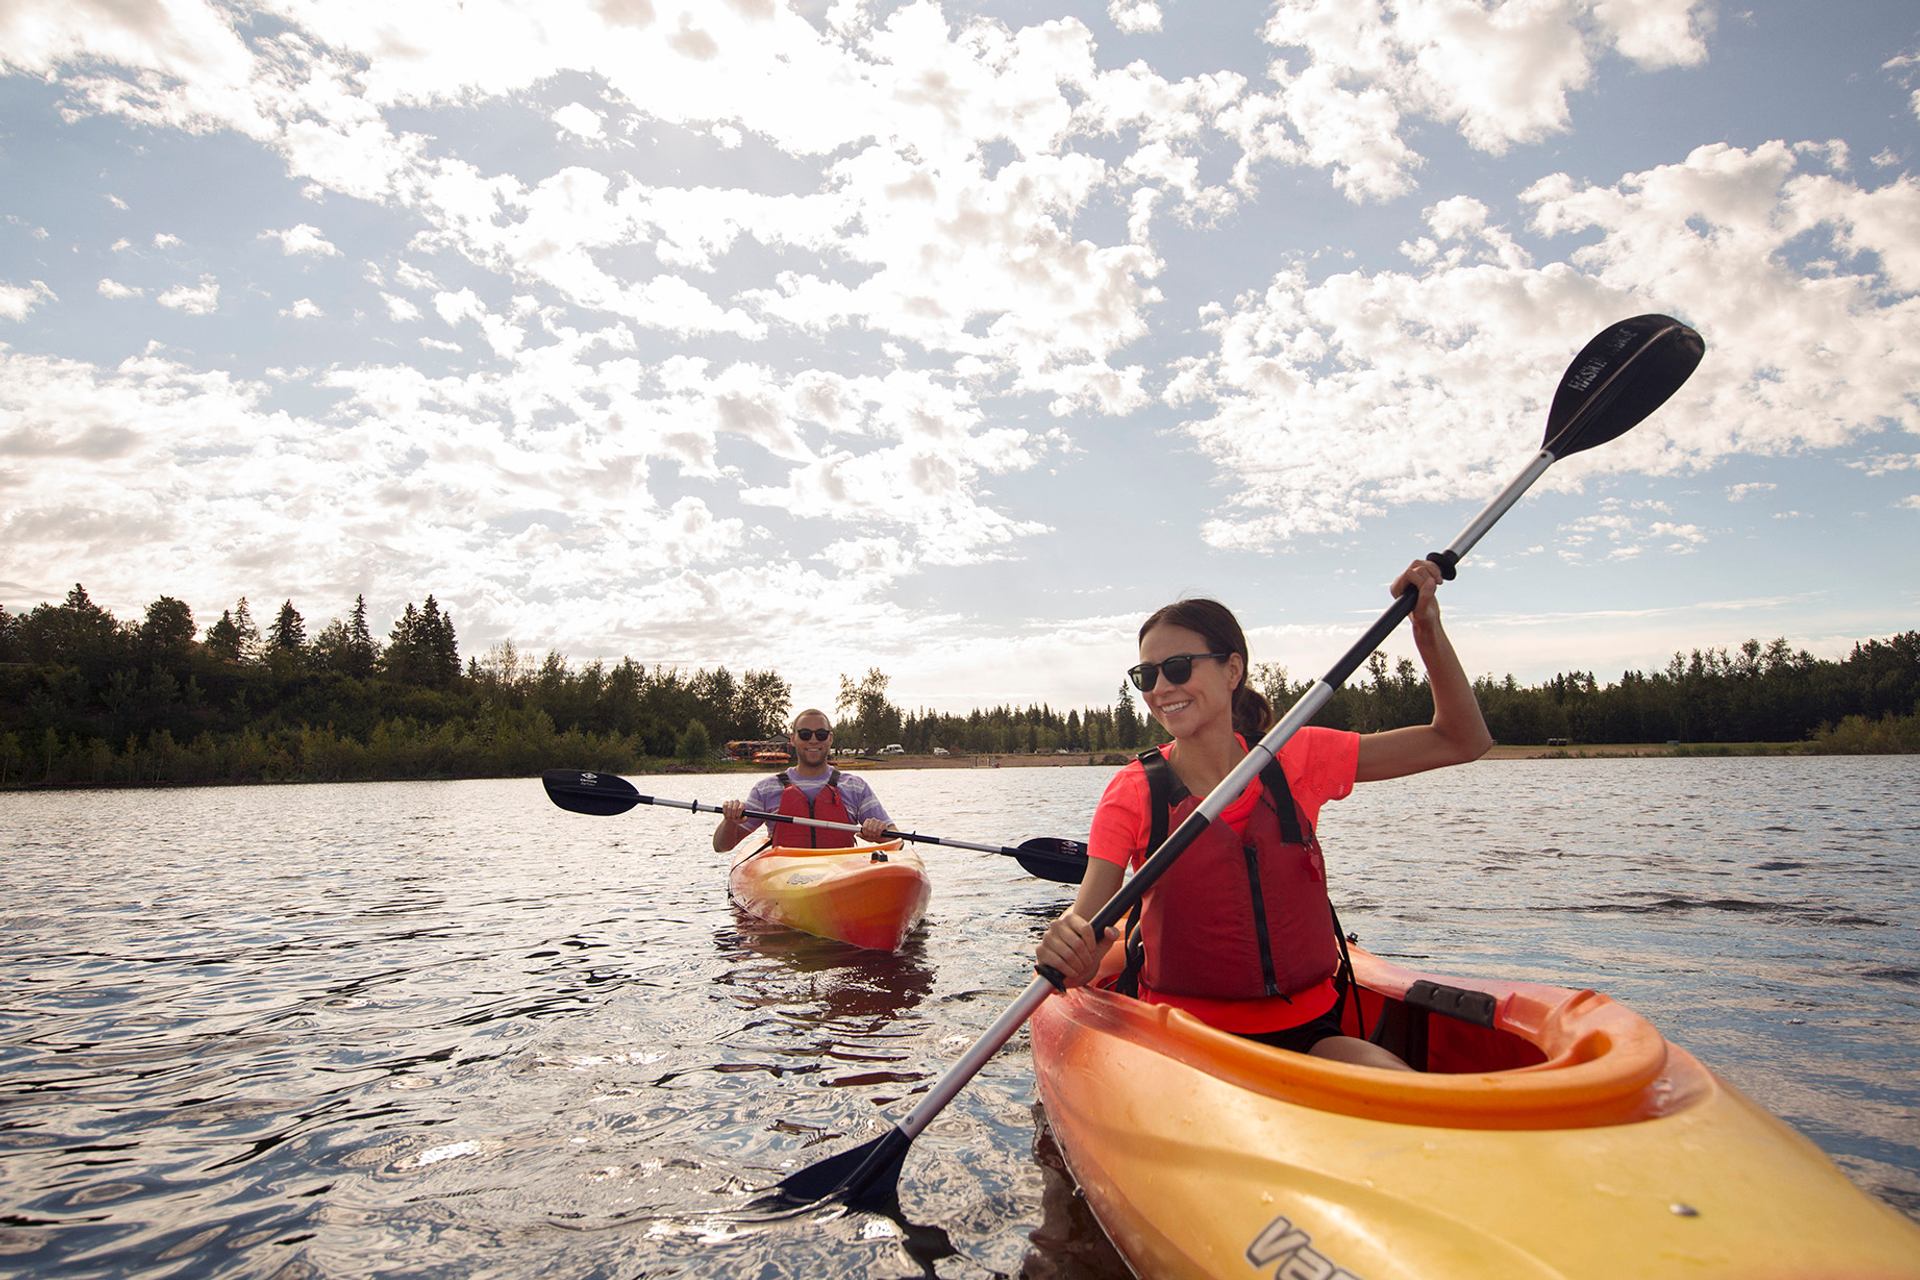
[447, 1029]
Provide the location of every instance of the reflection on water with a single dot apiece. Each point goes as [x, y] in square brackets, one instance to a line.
[448, 1028]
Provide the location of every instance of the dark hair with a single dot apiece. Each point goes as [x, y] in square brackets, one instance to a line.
[1252, 717]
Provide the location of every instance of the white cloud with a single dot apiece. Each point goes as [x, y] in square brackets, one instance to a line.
[1741, 492]
[1657, 33]
[166, 240]
[413, 277]
[18, 299]
[1886, 463]
[302, 238]
[116, 201]
[1134, 17]
[579, 120]
[1349, 75]
[114, 289]
[196, 300]
[1312, 380]
[933, 228]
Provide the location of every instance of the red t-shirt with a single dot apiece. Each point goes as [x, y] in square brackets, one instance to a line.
[1320, 765]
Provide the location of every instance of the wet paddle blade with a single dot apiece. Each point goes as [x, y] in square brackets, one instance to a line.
[866, 1177]
[1064, 861]
[600, 794]
[1623, 375]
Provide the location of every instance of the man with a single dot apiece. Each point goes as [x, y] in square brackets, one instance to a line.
[811, 788]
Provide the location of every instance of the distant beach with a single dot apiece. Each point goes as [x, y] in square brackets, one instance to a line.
[1109, 759]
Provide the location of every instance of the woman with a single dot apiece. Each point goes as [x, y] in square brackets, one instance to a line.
[1239, 931]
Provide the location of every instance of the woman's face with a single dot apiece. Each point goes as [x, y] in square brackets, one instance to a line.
[1185, 710]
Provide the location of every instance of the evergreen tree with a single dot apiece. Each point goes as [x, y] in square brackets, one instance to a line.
[422, 648]
[1126, 721]
[75, 633]
[329, 650]
[694, 743]
[247, 634]
[288, 634]
[439, 651]
[223, 638]
[362, 653]
[8, 626]
[404, 658]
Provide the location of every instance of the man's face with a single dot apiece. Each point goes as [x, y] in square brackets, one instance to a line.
[810, 739]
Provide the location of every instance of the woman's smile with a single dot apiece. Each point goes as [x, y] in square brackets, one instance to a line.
[1206, 695]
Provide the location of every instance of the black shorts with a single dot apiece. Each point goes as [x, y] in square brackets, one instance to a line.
[1302, 1038]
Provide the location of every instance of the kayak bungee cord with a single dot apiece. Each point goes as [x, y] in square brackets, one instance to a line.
[1626, 372]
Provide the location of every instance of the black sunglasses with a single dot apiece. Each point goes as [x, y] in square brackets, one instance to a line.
[808, 735]
[1176, 669]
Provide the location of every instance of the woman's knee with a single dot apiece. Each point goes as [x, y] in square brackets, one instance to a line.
[1359, 1052]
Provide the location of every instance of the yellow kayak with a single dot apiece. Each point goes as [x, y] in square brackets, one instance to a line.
[1548, 1133]
[869, 895]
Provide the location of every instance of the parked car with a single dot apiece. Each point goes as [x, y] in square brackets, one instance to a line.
[893, 749]
[941, 751]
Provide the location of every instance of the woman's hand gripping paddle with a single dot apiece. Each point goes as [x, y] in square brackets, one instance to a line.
[1619, 378]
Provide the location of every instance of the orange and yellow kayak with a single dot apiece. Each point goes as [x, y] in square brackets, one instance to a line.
[1547, 1133]
[869, 895]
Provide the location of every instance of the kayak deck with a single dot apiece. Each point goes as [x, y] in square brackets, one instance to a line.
[1553, 1133]
[866, 895]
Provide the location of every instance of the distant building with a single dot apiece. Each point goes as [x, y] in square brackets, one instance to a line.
[765, 751]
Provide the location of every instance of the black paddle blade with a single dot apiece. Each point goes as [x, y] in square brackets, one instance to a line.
[1064, 861]
[866, 1177]
[601, 794]
[1619, 378]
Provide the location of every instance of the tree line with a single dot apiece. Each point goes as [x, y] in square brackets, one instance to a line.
[87, 698]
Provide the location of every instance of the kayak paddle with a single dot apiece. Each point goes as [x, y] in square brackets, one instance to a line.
[605, 794]
[1624, 374]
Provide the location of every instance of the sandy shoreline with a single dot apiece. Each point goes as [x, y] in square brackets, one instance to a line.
[1109, 759]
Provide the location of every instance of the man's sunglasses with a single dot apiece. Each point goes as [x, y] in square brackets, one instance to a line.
[808, 735]
[1177, 669]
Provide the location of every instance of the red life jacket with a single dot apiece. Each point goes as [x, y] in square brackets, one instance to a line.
[826, 805]
[1238, 918]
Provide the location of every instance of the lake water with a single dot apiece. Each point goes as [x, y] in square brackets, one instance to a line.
[448, 1029]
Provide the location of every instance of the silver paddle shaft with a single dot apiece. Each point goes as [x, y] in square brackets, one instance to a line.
[1258, 757]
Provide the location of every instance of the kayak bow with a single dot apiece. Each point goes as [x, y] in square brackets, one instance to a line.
[1548, 1133]
[868, 895]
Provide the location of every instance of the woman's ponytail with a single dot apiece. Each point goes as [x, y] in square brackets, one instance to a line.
[1252, 714]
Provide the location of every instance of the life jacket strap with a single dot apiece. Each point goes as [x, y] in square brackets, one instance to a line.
[1164, 790]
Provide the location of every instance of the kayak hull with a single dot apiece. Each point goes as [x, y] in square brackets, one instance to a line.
[1587, 1146]
[864, 895]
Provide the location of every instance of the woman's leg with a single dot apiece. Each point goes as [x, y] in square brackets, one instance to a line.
[1360, 1052]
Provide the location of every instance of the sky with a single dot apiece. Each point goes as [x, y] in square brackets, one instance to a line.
[952, 339]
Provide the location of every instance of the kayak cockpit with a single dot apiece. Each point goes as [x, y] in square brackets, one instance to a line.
[1487, 1053]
